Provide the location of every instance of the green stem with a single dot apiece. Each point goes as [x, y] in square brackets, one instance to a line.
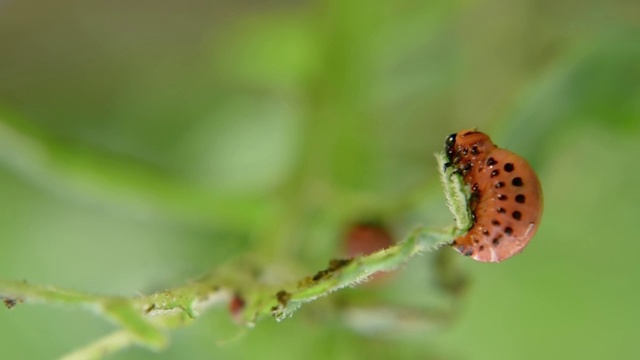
[105, 346]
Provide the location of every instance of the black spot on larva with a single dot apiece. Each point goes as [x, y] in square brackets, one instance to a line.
[508, 230]
[517, 215]
[485, 232]
[499, 184]
[495, 222]
[474, 150]
[468, 252]
[475, 241]
[502, 197]
[520, 198]
[465, 151]
[495, 173]
[474, 188]
[481, 248]
[491, 161]
[508, 167]
[495, 241]
[501, 210]
[517, 181]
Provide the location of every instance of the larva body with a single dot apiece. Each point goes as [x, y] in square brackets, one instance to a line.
[506, 197]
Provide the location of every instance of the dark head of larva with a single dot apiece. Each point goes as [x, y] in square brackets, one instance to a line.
[449, 147]
[466, 144]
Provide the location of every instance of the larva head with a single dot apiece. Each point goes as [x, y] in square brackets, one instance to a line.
[449, 146]
[466, 145]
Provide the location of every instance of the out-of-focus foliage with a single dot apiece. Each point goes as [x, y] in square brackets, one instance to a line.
[144, 143]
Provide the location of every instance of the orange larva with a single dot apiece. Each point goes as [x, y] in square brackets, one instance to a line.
[506, 197]
[366, 238]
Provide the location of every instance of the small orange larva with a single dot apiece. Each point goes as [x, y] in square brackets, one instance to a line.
[506, 197]
[366, 238]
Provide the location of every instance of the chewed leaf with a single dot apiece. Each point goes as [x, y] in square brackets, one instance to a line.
[456, 192]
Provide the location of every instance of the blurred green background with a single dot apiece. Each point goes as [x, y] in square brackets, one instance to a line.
[143, 143]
